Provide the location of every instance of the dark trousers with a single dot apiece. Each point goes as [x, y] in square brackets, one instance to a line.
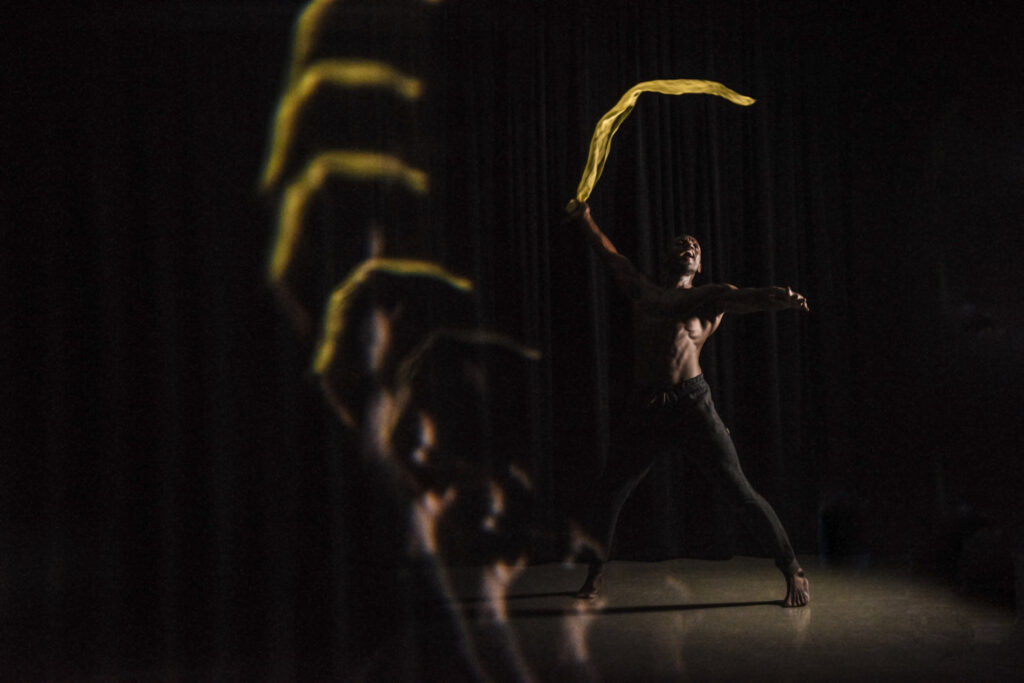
[681, 421]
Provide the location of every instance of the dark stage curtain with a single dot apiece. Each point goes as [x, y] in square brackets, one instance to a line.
[178, 493]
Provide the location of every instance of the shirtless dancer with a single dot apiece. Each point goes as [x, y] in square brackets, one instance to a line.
[670, 410]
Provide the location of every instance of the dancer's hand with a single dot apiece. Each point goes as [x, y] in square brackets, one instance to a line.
[576, 208]
[787, 298]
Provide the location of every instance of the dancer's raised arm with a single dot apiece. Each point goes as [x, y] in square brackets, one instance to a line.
[622, 270]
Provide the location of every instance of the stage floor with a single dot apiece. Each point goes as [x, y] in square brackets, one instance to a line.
[723, 621]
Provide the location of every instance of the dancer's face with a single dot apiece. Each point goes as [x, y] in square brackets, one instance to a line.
[682, 257]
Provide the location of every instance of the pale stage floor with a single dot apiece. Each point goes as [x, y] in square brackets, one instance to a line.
[723, 621]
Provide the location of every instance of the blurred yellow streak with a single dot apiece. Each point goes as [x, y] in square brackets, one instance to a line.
[335, 73]
[350, 165]
[341, 298]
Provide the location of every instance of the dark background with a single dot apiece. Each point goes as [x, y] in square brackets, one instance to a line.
[174, 491]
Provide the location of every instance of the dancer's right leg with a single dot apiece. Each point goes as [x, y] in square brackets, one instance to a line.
[625, 470]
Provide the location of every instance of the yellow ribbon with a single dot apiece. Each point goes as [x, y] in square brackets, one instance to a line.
[341, 297]
[344, 74]
[601, 143]
[348, 164]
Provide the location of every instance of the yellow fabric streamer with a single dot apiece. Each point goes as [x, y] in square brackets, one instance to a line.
[312, 21]
[347, 74]
[350, 165]
[601, 143]
[341, 298]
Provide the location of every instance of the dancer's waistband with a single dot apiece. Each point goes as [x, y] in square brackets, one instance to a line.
[684, 385]
[660, 396]
[692, 382]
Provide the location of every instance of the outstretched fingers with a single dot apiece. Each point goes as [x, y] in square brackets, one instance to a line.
[797, 300]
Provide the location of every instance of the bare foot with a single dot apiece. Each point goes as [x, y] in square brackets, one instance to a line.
[798, 590]
[590, 587]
